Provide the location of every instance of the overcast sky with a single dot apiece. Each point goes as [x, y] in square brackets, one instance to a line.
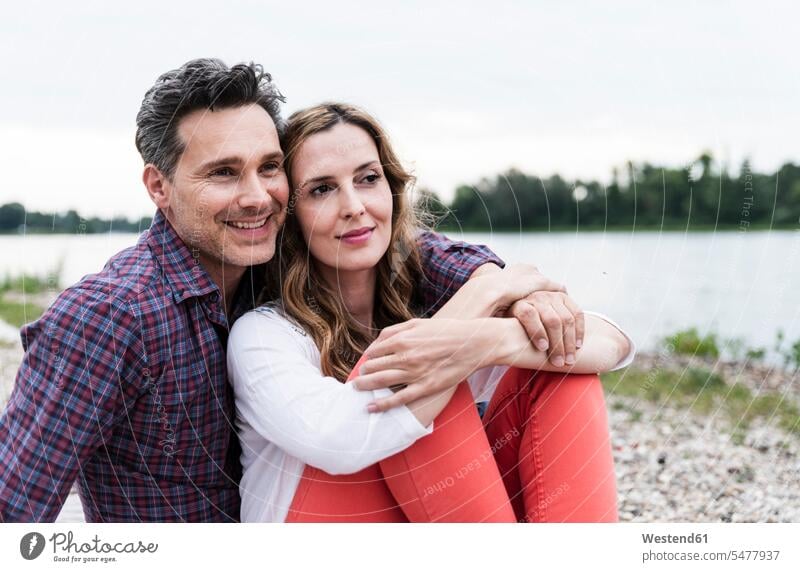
[465, 89]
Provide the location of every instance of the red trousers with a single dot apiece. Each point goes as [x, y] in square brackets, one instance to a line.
[542, 453]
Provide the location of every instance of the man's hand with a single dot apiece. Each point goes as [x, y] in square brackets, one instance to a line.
[427, 355]
[553, 321]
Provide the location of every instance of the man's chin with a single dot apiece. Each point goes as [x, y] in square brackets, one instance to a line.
[251, 256]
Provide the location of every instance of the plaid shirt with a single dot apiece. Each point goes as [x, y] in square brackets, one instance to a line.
[124, 387]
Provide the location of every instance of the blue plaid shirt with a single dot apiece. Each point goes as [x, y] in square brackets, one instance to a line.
[123, 387]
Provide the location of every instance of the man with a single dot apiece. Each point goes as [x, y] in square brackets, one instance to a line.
[123, 385]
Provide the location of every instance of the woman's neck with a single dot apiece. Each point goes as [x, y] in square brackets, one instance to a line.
[357, 289]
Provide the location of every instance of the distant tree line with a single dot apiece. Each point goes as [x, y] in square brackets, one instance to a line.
[14, 218]
[700, 195]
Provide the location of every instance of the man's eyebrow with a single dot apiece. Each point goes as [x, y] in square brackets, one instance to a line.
[274, 156]
[237, 161]
[326, 177]
[223, 162]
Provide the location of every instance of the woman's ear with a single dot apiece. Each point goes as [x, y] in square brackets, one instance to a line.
[158, 187]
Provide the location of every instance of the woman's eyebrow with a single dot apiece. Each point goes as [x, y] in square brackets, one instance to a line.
[365, 165]
[321, 178]
[314, 180]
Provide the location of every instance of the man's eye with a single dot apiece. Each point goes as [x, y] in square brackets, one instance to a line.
[270, 167]
[222, 172]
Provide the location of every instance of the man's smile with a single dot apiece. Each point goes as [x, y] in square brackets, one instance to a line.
[248, 225]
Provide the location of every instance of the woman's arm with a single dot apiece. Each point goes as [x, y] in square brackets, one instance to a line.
[281, 393]
[460, 347]
[479, 297]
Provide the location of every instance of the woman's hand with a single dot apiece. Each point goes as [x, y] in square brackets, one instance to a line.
[429, 355]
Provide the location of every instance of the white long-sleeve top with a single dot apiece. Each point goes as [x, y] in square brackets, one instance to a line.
[288, 414]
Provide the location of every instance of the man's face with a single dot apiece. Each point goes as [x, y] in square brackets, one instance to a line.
[227, 198]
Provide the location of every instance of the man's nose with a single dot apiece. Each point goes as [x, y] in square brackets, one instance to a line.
[251, 191]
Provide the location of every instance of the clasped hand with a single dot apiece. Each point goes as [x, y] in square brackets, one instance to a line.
[423, 357]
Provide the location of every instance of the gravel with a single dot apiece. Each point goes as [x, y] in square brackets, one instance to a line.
[673, 467]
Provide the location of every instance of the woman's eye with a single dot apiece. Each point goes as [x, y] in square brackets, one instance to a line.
[321, 190]
[371, 178]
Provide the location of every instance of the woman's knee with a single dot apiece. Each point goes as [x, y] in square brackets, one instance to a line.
[574, 385]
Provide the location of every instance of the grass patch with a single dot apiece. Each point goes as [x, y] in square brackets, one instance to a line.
[705, 393]
[690, 342]
[17, 314]
[785, 412]
[25, 283]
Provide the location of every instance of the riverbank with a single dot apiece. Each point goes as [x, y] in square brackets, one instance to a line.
[700, 439]
[675, 462]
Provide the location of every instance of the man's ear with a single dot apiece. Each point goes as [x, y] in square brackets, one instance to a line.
[158, 187]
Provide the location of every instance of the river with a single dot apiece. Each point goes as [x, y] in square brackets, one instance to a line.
[738, 284]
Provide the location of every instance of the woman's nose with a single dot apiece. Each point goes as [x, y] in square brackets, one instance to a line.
[352, 205]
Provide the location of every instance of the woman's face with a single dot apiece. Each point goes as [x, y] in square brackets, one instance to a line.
[343, 203]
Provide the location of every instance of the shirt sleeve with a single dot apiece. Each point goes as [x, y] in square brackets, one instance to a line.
[628, 359]
[281, 393]
[446, 266]
[64, 402]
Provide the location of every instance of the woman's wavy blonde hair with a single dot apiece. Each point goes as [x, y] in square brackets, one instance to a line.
[291, 275]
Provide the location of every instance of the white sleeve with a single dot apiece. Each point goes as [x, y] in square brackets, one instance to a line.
[484, 381]
[628, 359]
[282, 394]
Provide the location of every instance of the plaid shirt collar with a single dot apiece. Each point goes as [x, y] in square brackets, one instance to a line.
[183, 272]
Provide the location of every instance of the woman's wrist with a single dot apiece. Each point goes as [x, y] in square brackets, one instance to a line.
[510, 341]
[491, 341]
[480, 297]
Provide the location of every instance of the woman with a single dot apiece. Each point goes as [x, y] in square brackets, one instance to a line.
[313, 449]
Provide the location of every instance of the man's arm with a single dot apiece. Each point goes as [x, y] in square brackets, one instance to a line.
[447, 265]
[66, 399]
[553, 321]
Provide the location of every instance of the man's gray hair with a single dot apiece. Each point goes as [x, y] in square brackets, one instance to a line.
[198, 84]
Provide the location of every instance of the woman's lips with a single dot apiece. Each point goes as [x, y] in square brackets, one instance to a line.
[357, 236]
